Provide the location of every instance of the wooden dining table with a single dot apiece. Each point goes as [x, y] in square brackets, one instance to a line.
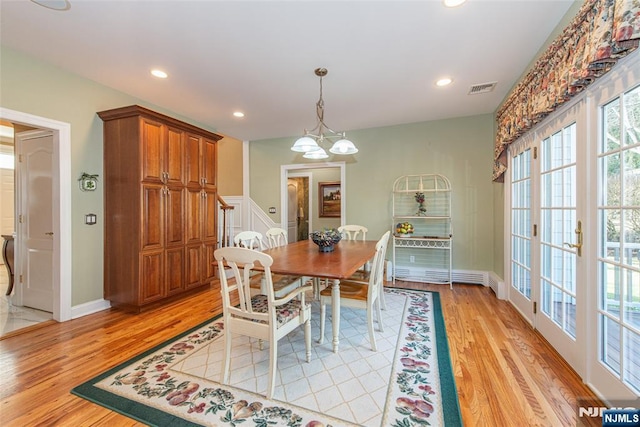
[303, 258]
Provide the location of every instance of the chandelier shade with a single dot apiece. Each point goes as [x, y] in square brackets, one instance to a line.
[310, 142]
[316, 154]
[304, 144]
[343, 146]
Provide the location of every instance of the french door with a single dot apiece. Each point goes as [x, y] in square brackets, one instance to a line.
[574, 233]
[547, 207]
[615, 369]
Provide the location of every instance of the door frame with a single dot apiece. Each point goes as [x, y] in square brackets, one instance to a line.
[285, 174]
[61, 205]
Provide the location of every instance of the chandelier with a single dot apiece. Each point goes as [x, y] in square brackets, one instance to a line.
[309, 143]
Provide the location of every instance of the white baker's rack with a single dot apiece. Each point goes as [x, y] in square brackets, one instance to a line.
[424, 256]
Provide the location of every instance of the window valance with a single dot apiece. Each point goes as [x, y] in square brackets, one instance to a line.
[602, 32]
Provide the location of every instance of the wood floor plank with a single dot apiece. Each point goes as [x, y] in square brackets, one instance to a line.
[505, 372]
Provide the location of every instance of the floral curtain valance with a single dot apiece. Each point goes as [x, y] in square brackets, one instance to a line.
[602, 32]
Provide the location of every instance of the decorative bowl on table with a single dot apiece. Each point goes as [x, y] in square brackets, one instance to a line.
[326, 239]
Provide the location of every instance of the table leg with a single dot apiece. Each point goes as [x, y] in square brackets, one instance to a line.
[335, 313]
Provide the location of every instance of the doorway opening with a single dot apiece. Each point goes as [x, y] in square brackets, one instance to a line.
[291, 215]
[61, 205]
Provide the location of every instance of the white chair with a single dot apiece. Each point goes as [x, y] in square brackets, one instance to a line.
[276, 237]
[282, 283]
[249, 240]
[352, 232]
[361, 295]
[259, 316]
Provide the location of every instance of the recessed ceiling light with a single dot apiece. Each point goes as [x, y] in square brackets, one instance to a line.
[238, 114]
[54, 4]
[444, 82]
[453, 3]
[159, 74]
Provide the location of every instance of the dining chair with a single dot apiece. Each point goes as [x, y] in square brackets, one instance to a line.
[276, 237]
[361, 295]
[261, 316]
[352, 232]
[282, 283]
[249, 239]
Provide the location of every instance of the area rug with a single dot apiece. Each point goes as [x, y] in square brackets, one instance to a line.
[407, 382]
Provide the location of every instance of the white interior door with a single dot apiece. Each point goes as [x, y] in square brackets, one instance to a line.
[292, 211]
[35, 237]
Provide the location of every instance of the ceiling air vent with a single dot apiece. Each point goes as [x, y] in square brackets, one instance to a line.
[482, 88]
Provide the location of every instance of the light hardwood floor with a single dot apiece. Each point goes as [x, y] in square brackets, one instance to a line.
[506, 373]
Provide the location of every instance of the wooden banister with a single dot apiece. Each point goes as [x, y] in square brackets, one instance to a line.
[225, 225]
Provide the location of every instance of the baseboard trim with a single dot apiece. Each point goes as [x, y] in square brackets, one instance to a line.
[89, 308]
[478, 277]
[498, 285]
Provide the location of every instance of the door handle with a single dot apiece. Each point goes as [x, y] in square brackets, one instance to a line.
[50, 233]
[577, 246]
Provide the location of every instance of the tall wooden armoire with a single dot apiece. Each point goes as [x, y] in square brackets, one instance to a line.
[160, 207]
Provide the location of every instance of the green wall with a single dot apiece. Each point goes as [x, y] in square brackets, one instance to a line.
[37, 88]
[461, 149]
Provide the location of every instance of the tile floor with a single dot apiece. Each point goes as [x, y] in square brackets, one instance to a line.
[351, 385]
[13, 318]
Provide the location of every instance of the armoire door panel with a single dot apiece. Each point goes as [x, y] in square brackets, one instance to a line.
[174, 214]
[152, 276]
[152, 150]
[193, 266]
[152, 221]
[192, 160]
[194, 206]
[209, 213]
[175, 157]
[209, 262]
[174, 270]
[209, 162]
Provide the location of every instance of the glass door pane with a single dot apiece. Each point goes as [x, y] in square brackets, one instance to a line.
[558, 223]
[619, 239]
[521, 226]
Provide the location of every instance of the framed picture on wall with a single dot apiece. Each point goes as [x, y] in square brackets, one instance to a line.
[329, 205]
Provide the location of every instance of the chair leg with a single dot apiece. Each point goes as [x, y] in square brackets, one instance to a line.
[307, 339]
[380, 326]
[224, 376]
[316, 288]
[323, 314]
[381, 297]
[273, 363]
[372, 336]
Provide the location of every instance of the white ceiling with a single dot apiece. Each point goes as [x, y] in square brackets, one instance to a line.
[383, 57]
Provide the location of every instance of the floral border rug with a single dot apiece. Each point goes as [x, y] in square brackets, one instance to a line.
[421, 392]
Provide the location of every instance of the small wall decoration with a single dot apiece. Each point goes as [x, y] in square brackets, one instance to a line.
[329, 205]
[88, 182]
